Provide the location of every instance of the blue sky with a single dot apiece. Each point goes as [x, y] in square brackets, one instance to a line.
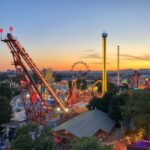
[56, 33]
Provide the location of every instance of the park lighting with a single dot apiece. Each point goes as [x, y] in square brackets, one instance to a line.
[27, 96]
[58, 109]
[66, 110]
[18, 100]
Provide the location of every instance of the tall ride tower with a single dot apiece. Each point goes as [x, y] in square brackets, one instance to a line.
[104, 72]
[118, 65]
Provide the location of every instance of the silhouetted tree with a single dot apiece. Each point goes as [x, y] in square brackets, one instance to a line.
[90, 143]
[137, 110]
[5, 110]
[5, 90]
[116, 103]
[100, 103]
[30, 137]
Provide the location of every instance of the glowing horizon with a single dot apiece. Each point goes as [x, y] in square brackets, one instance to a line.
[58, 33]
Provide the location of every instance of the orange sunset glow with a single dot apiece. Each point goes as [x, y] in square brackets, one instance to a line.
[59, 37]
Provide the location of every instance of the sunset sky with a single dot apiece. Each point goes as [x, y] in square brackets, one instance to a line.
[57, 33]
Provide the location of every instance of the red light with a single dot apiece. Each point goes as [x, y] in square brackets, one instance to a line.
[1, 30]
[10, 29]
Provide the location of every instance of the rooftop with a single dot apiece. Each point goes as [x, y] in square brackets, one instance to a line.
[87, 124]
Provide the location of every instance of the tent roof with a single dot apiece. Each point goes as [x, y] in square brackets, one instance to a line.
[87, 124]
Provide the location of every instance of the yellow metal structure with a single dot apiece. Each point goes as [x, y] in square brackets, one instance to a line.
[94, 87]
[104, 72]
[98, 81]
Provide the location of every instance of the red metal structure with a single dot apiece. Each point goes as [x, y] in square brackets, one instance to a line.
[136, 79]
[148, 84]
[35, 106]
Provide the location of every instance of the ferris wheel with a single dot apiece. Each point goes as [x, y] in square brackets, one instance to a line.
[85, 72]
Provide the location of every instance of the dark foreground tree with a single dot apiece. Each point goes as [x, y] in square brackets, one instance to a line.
[112, 89]
[111, 104]
[116, 103]
[31, 136]
[90, 143]
[5, 110]
[5, 91]
[45, 140]
[100, 103]
[137, 110]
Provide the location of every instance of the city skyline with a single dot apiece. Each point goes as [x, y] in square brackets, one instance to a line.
[58, 33]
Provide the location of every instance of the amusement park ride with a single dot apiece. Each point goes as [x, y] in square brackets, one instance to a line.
[75, 94]
[37, 108]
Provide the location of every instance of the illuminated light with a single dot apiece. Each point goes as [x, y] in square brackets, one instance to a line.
[27, 96]
[10, 28]
[18, 100]
[58, 109]
[1, 30]
[66, 110]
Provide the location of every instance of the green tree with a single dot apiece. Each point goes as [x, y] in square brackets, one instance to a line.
[5, 90]
[112, 89]
[30, 136]
[15, 91]
[115, 107]
[23, 140]
[137, 110]
[70, 84]
[100, 103]
[57, 77]
[90, 143]
[111, 104]
[44, 140]
[83, 84]
[5, 110]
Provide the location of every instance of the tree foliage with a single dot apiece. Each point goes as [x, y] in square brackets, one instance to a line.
[137, 109]
[111, 104]
[5, 90]
[90, 143]
[44, 140]
[132, 107]
[100, 103]
[30, 136]
[112, 89]
[5, 110]
[116, 104]
[58, 77]
[81, 84]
